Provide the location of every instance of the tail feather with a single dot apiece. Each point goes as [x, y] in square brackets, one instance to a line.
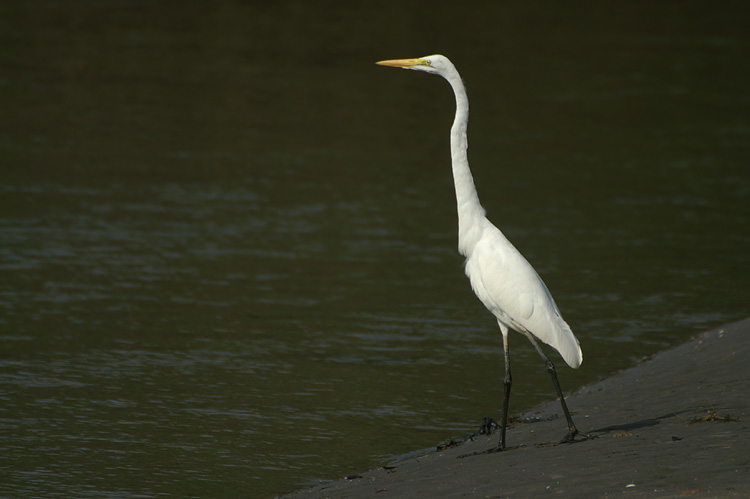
[567, 345]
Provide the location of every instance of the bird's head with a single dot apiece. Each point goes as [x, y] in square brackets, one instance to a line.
[435, 64]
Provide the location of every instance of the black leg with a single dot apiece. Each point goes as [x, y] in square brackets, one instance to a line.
[572, 430]
[506, 398]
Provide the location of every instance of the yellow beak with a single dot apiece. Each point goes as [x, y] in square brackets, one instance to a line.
[403, 63]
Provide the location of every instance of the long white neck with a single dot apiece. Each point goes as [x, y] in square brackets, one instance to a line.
[470, 211]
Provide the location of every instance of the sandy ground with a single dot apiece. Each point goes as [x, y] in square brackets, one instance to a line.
[677, 425]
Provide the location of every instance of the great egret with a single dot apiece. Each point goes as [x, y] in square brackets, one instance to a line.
[500, 276]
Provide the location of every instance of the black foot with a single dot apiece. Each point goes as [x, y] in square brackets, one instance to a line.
[494, 450]
[571, 437]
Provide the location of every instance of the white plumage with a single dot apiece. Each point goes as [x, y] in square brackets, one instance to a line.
[510, 288]
[500, 276]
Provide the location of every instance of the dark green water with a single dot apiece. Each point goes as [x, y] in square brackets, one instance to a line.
[228, 259]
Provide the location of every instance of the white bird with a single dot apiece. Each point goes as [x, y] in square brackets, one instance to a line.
[500, 276]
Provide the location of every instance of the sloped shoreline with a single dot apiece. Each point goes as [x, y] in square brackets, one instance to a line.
[676, 424]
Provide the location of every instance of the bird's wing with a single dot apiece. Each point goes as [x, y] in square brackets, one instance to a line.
[511, 289]
[503, 280]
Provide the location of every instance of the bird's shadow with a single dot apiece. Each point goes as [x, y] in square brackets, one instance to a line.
[593, 434]
[637, 425]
